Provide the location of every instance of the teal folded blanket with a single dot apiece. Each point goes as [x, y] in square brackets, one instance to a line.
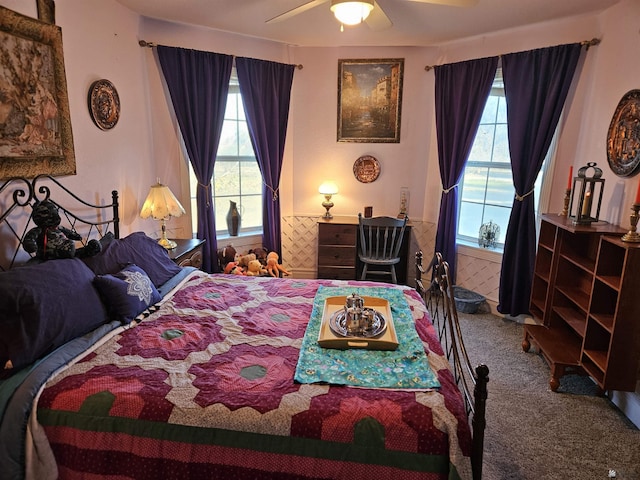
[407, 367]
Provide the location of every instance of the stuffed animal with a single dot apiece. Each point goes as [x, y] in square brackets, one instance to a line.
[243, 260]
[49, 240]
[255, 268]
[260, 253]
[273, 268]
[226, 255]
[232, 268]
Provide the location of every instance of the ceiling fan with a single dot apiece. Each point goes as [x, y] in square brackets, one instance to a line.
[368, 11]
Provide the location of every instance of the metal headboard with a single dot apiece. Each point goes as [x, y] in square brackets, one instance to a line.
[472, 382]
[17, 197]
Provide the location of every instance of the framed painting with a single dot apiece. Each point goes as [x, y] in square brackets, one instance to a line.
[35, 125]
[46, 11]
[370, 100]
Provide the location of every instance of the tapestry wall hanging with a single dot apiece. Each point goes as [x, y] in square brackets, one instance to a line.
[35, 125]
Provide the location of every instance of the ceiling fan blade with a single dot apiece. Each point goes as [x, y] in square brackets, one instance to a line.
[451, 3]
[377, 19]
[295, 11]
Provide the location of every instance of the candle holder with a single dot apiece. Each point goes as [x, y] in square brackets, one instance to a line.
[565, 209]
[586, 195]
[632, 236]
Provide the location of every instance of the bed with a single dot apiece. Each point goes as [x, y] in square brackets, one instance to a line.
[193, 375]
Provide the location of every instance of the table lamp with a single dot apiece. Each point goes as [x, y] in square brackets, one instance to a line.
[328, 189]
[160, 204]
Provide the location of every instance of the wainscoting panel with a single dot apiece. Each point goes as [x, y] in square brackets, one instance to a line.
[300, 245]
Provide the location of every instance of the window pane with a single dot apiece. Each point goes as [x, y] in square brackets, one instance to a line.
[229, 138]
[500, 190]
[482, 145]
[470, 219]
[226, 176]
[475, 181]
[501, 146]
[222, 206]
[231, 111]
[251, 178]
[251, 211]
[244, 142]
[489, 112]
[499, 215]
[502, 110]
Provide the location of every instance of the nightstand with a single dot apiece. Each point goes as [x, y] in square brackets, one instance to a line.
[188, 253]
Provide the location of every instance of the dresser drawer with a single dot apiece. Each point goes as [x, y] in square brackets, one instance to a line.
[337, 234]
[336, 255]
[337, 273]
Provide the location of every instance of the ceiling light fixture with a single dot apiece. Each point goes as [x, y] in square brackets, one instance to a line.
[351, 13]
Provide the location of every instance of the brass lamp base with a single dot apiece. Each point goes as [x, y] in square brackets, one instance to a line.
[164, 241]
[327, 204]
[168, 244]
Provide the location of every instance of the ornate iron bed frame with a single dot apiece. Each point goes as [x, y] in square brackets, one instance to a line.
[15, 219]
[472, 382]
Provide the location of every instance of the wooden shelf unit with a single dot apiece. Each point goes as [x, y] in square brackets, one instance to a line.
[584, 297]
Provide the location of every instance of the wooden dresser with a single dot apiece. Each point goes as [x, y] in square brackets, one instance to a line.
[585, 293]
[188, 253]
[338, 250]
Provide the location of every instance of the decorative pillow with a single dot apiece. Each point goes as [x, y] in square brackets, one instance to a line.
[127, 293]
[43, 306]
[138, 249]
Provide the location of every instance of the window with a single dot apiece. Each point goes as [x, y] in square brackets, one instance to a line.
[236, 176]
[487, 184]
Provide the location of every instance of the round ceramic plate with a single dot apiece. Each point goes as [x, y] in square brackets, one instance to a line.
[104, 104]
[366, 169]
[623, 138]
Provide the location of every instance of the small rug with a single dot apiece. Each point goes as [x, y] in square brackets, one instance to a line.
[407, 367]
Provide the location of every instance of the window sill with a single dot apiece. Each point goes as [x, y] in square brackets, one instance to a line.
[244, 240]
[471, 250]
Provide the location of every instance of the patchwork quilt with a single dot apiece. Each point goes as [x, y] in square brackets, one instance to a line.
[204, 388]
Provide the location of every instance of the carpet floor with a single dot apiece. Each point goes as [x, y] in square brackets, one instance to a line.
[534, 433]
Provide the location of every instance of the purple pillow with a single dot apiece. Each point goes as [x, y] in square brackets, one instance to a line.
[43, 306]
[138, 249]
[127, 293]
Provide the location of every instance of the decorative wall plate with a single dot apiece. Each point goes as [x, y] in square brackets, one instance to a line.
[366, 169]
[104, 104]
[623, 138]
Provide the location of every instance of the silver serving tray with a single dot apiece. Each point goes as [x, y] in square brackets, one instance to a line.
[338, 325]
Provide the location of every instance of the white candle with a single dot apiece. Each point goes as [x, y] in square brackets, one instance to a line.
[586, 204]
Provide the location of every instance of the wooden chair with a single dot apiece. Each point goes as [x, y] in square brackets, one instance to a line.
[380, 242]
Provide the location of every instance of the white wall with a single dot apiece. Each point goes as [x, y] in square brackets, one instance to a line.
[100, 41]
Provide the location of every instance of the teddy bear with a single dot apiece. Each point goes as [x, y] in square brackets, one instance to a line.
[273, 268]
[49, 240]
[243, 260]
[233, 268]
[255, 268]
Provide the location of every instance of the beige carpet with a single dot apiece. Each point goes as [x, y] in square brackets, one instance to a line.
[534, 433]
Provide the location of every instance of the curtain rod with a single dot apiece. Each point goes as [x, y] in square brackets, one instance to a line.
[144, 43]
[588, 43]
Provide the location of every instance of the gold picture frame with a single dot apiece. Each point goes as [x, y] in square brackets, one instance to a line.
[370, 100]
[35, 124]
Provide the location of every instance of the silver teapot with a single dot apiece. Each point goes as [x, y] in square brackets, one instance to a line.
[357, 318]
